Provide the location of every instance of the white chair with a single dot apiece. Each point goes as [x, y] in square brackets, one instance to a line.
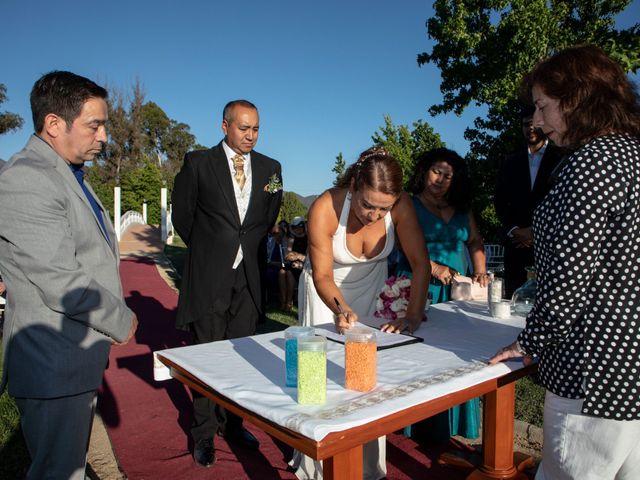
[494, 254]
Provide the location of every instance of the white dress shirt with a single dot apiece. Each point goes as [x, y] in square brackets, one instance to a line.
[535, 159]
[242, 196]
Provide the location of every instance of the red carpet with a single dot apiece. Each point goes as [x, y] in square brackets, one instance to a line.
[148, 422]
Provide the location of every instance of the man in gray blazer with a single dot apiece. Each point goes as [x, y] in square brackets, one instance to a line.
[59, 259]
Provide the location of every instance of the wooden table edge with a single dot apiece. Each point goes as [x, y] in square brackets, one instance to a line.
[337, 442]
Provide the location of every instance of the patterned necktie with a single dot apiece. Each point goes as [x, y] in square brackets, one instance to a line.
[238, 164]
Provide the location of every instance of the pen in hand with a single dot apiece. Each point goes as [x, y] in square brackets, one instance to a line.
[341, 311]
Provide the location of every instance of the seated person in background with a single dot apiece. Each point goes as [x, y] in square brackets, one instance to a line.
[284, 226]
[441, 197]
[352, 230]
[296, 252]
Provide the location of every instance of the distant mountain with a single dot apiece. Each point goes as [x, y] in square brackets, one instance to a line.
[306, 201]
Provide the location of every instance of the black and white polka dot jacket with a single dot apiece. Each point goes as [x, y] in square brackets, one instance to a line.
[585, 324]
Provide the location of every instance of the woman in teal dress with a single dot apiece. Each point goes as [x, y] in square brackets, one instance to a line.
[441, 197]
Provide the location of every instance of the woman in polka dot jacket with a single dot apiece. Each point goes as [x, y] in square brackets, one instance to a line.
[585, 324]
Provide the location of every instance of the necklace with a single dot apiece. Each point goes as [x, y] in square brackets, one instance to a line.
[427, 200]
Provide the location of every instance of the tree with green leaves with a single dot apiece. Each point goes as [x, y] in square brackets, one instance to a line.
[155, 124]
[338, 168]
[8, 121]
[166, 140]
[124, 149]
[142, 184]
[483, 49]
[118, 129]
[405, 144]
[144, 147]
[177, 141]
[291, 207]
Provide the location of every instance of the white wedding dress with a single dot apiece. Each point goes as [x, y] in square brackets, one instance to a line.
[360, 280]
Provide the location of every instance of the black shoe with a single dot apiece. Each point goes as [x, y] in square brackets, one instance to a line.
[241, 436]
[203, 453]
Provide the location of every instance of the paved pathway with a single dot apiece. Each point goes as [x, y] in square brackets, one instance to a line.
[141, 240]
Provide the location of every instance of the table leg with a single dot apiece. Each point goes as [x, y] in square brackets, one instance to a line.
[497, 438]
[345, 465]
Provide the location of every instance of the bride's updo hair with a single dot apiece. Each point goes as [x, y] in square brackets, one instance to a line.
[375, 169]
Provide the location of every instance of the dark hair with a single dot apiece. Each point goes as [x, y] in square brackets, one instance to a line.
[594, 94]
[459, 193]
[226, 112]
[63, 94]
[375, 169]
[526, 111]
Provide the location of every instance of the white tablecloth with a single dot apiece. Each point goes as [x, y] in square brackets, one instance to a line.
[458, 339]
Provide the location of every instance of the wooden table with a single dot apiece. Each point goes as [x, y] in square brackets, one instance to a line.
[341, 451]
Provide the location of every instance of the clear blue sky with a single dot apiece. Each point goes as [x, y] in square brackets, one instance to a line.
[322, 74]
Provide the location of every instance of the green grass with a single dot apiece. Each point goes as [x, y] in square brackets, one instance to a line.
[529, 401]
[176, 252]
[13, 451]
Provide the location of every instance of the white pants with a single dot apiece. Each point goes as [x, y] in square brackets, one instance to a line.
[374, 462]
[578, 446]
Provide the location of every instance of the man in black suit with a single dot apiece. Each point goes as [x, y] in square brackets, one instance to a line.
[523, 181]
[225, 200]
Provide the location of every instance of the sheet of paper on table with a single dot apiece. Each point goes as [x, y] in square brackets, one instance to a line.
[383, 339]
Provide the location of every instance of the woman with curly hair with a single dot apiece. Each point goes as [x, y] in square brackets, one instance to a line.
[442, 199]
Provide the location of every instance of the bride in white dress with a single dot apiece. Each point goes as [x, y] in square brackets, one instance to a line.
[347, 261]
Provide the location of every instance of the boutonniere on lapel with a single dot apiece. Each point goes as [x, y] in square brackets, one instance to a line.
[274, 185]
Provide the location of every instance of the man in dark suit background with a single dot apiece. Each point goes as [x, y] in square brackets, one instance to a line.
[59, 259]
[523, 181]
[225, 200]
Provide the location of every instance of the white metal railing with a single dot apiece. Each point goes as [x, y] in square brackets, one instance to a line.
[170, 230]
[495, 257]
[130, 218]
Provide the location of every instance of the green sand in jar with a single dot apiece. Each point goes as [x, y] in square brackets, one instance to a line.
[312, 376]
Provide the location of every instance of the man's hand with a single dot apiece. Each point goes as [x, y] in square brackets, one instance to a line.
[522, 237]
[509, 352]
[132, 331]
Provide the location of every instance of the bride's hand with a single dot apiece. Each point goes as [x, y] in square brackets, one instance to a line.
[402, 323]
[394, 326]
[345, 320]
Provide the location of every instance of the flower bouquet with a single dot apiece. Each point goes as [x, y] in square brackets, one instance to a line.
[393, 300]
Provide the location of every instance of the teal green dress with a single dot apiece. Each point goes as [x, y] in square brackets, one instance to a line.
[447, 246]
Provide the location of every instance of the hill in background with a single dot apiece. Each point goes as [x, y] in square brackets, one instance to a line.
[306, 201]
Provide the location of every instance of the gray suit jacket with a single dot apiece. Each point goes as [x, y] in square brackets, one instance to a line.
[64, 297]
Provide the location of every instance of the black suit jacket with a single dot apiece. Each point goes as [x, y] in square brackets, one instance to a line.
[205, 215]
[515, 202]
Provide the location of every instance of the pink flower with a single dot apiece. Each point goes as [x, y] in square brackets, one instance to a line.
[393, 300]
